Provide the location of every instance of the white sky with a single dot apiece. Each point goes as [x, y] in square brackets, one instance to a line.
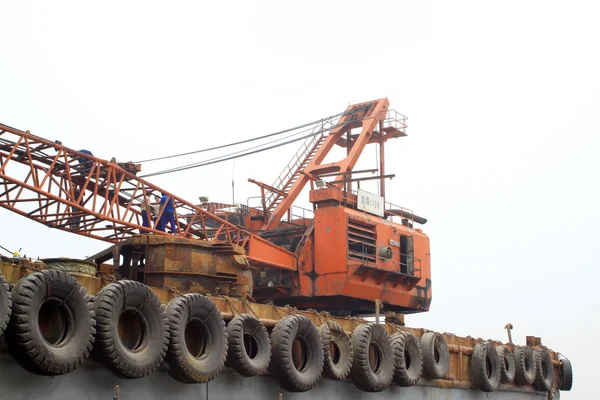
[501, 157]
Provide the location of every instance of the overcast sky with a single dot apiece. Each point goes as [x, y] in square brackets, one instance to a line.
[501, 157]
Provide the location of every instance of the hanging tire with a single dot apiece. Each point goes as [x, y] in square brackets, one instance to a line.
[373, 365]
[337, 351]
[297, 353]
[485, 367]
[565, 375]
[507, 364]
[524, 366]
[436, 356]
[408, 358]
[249, 345]
[544, 370]
[198, 339]
[5, 304]
[132, 332]
[51, 331]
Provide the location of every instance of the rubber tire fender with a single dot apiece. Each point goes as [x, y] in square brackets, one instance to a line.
[364, 377]
[485, 367]
[524, 366]
[238, 357]
[507, 364]
[565, 375]
[436, 356]
[408, 358]
[200, 312]
[544, 370]
[135, 298]
[5, 304]
[285, 332]
[336, 366]
[25, 338]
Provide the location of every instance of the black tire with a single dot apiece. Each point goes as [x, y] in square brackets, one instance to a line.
[198, 339]
[337, 351]
[5, 304]
[296, 371]
[507, 364]
[485, 367]
[249, 345]
[544, 370]
[131, 308]
[436, 356]
[565, 375]
[22, 359]
[408, 358]
[52, 328]
[524, 366]
[373, 365]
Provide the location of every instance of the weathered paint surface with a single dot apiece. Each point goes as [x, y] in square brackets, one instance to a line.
[340, 271]
[93, 382]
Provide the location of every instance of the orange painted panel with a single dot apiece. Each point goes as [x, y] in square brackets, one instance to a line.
[330, 240]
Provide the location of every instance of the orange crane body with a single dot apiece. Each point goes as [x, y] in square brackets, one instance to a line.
[348, 258]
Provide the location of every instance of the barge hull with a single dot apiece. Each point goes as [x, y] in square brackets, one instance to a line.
[94, 382]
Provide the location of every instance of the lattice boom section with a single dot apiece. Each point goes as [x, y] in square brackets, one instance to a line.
[72, 191]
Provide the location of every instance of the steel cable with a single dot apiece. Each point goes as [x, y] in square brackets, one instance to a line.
[259, 149]
[242, 141]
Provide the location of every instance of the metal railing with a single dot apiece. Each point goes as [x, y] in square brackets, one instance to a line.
[416, 271]
[411, 271]
[396, 213]
[395, 120]
[298, 212]
[285, 177]
[303, 155]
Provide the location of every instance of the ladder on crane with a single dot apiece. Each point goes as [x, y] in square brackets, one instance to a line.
[292, 171]
[377, 124]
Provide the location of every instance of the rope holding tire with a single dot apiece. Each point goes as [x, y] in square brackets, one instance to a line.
[5, 304]
[565, 375]
[197, 339]
[436, 356]
[485, 367]
[249, 345]
[297, 353]
[408, 358]
[132, 331]
[373, 365]
[507, 364]
[337, 351]
[525, 370]
[544, 370]
[52, 328]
